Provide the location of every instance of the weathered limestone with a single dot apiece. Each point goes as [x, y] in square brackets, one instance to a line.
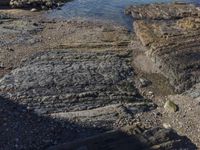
[173, 44]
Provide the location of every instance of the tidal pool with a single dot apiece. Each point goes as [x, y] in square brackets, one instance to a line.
[108, 10]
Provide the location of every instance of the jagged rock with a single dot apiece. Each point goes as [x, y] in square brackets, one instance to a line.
[71, 80]
[163, 11]
[173, 44]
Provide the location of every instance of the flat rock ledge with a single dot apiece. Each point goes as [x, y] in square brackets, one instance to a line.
[171, 34]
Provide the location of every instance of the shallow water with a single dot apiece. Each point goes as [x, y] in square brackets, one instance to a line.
[108, 10]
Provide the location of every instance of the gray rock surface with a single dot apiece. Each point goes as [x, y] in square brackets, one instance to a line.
[69, 80]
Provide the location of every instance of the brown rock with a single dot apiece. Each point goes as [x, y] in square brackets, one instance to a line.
[172, 44]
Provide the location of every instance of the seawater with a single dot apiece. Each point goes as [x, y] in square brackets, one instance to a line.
[108, 10]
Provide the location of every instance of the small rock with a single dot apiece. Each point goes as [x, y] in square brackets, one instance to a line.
[33, 10]
[144, 82]
[2, 65]
[10, 49]
[60, 4]
[170, 106]
[166, 125]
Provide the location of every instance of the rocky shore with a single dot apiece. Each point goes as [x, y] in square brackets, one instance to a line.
[82, 84]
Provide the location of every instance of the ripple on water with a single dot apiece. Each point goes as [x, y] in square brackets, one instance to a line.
[108, 10]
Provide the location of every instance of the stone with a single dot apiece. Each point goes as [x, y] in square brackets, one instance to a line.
[166, 125]
[144, 82]
[33, 10]
[170, 106]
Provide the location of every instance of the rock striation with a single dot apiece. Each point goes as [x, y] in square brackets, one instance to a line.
[69, 80]
[172, 40]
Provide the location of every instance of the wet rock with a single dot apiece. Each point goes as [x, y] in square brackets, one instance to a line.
[172, 42]
[170, 106]
[71, 80]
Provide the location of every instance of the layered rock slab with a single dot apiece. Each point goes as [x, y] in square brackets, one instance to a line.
[71, 80]
[172, 43]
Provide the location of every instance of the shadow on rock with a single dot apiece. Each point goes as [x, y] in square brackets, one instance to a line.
[22, 129]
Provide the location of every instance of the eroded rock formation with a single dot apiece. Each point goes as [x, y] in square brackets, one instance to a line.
[172, 40]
